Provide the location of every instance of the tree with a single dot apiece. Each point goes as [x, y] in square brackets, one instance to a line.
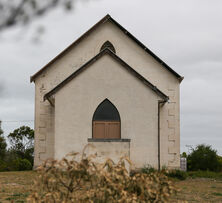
[3, 144]
[203, 157]
[22, 143]
[220, 161]
[15, 12]
[184, 155]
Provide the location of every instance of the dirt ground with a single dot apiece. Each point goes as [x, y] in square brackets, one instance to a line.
[15, 187]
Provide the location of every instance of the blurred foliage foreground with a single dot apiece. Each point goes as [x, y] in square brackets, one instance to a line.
[81, 179]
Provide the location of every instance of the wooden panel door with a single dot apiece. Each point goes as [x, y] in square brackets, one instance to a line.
[99, 130]
[113, 130]
[106, 130]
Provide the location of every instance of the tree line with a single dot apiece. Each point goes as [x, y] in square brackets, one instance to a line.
[18, 156]
[203, 158]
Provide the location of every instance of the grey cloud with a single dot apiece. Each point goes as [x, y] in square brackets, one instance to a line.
[2, 88]
[185, 34]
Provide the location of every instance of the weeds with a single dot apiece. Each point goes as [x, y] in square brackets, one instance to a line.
[70, 180]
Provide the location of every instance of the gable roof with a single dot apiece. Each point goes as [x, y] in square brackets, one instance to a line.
[103, 20]
[119, 60]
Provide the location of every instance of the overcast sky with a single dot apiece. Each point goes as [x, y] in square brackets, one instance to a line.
[186, 34]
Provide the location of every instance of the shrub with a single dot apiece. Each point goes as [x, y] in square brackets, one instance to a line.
[203, 157]
[12, 163]
[181, 175]
[220, 162]
[205, 174]
[3, 166]
[21, 165]
[148, 169]
[70, 180]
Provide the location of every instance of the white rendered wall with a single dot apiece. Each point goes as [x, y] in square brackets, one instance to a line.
[137, 104]
[135, 56]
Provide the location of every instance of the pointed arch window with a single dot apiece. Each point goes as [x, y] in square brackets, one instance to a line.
[108, 45]
[106, 121]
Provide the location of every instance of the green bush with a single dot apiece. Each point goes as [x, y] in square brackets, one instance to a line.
[148, 169]
[181, 175]
[204, 158]
[205, 174]
[220, 162]
[21, 165]
[3, 166]
[13, 163]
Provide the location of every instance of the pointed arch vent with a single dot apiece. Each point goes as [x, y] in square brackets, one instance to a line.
[108, 45]
[106, 111]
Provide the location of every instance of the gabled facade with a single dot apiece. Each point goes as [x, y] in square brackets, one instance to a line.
[109, 90]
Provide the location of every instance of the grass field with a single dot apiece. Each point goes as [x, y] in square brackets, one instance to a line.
[199, 190]
[15, 187]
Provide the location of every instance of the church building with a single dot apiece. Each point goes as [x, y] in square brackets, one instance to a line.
[109, 90]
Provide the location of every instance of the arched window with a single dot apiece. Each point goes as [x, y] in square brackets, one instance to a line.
[106, 121]
[109, 45]
[106, 111]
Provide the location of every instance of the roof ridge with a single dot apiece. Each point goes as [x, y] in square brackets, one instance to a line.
[92, 60]
[103, 20]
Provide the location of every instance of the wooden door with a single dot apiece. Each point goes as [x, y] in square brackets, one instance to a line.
[106, 129]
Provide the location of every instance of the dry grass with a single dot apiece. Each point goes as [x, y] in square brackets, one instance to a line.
[16, 186]
[79, 178]
[199, 190]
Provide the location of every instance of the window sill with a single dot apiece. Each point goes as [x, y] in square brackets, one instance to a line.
[108, 140]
